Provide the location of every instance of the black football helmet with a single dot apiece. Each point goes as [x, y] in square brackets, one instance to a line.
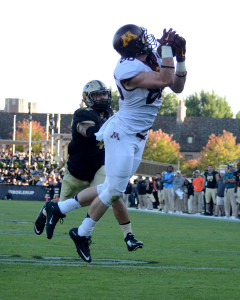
[131, 41]
[93, 88]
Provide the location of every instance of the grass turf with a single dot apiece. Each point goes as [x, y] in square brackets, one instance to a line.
[183, 258]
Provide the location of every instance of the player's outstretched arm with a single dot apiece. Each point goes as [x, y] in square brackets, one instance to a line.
[179, 46]
[166, 75]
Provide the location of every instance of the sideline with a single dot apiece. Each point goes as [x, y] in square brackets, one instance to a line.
[156, 211]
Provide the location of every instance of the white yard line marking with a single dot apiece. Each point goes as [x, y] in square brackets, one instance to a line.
[105, 264]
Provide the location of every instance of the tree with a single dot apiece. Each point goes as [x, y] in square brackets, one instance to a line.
[220, 149]
[169, 104]
[189, 166]
[115, 99]
[207, 105]
[238, 115]
[161, 147]
[38, 133]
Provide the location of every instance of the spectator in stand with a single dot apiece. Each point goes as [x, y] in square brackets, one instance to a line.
[198, 192]
[188, 196]
[11, 171]
[127, 194]
[230, 202]
[210, 185]
[178, 184]
[220, 194]
[40, 157]
[149, 192]
[142, 194]
[168, 189]
[40, 182]
[14, 181]
[19, 175]
[26, 169]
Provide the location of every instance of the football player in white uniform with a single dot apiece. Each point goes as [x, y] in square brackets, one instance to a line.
[85, 165]
[140, 75]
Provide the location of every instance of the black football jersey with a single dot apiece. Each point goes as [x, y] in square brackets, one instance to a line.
[85, 155]
[237, 175]
[211, 179]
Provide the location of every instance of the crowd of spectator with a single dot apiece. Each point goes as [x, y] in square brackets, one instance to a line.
[208, 193]
[15, 169]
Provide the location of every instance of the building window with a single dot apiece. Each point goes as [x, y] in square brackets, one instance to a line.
[188, 156]
[190, 140]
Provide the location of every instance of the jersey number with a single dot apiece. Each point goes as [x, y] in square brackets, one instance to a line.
[152, 95]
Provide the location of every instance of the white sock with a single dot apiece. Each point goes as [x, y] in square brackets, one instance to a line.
[68, 205]
[126, 228]
[87, 226]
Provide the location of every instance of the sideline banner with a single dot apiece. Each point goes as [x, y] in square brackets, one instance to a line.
[24, 192]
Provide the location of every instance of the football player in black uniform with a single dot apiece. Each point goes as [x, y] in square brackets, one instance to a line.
[210, 183]
[237, 185]
[85, 165]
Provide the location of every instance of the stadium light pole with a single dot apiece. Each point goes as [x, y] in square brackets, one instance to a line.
[30, 133]
[47, 133]
[59, 131]
[14, 132]
[52, 133]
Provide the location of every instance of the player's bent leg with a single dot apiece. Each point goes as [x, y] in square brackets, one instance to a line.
[120, 211]
[121, 214]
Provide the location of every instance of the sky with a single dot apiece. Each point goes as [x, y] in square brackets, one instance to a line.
[51, 48]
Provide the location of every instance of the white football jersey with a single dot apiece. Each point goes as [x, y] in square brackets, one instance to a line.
[137, 107]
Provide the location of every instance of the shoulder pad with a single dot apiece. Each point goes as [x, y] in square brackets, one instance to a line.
[129, 68]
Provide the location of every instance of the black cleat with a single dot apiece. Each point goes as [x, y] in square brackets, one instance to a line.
[82, 244]
[132, 243]
[53, 215]
[40, 221]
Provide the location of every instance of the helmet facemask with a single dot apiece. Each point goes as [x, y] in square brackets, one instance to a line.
[145, 43]
[97, 101]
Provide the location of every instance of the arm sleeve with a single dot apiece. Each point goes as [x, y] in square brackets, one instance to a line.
[92, 130]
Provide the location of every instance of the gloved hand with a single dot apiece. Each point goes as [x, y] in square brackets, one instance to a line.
[179, 48]
[167, 38]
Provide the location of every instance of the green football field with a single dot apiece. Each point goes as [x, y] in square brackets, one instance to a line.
[183, 257]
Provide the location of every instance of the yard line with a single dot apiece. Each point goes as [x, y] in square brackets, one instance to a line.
[108, 265]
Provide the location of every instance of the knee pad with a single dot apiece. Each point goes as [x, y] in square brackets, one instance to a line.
[109, 195]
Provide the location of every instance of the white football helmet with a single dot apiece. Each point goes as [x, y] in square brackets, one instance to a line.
[91, 95]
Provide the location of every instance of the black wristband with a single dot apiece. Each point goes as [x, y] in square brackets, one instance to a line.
[168, 67]
[181, 76]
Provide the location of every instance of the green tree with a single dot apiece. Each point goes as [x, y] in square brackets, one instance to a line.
[38, 133]
[238, 115]
[220, 149]
[169, 104]
[161, 147]
[115, 99]
[208, 105]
